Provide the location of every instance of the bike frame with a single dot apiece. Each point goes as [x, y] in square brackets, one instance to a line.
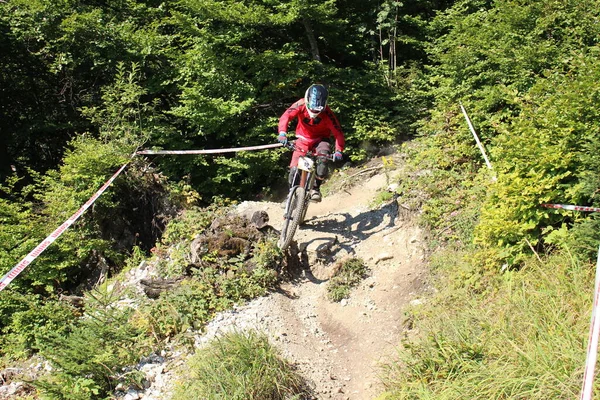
[298, 196]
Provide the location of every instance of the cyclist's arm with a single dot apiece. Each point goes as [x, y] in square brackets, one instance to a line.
[336, 129]
[289, 115]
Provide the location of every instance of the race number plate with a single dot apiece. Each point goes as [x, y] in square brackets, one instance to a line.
[305, 164]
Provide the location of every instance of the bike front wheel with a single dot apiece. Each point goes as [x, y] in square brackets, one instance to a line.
[294, 213]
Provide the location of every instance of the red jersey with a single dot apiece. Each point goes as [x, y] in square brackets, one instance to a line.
[322, 127]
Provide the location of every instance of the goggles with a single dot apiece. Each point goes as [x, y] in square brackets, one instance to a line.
[315, 111]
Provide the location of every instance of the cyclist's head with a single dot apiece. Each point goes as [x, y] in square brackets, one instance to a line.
[315, 99]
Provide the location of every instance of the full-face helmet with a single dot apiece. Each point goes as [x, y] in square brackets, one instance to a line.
[315, 99]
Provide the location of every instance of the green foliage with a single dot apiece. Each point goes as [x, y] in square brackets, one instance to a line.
[61, 193]
[190, 305]
[26, 319]
[236, 366]
[348, 275]
[215, 283]
[527, 73]
[520, 69]
[445, 186]
[521, 339]
[544, 157]
[59, 56]
[89, 359]
[122, 118]
[17, 223]
[191, 222]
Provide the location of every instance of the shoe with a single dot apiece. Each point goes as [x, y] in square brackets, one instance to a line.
[315, 195]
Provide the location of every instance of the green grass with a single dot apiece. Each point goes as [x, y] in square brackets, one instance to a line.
[381, 197]
[522, 338]
[347, 276]
[239, 366]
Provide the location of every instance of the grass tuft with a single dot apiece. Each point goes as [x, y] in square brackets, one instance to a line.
[348, 275]
[239, 366]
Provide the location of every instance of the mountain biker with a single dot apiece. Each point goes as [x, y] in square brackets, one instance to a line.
[316, 124]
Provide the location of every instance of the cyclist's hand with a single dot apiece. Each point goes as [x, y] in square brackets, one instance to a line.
[282, 138]
[338, 156]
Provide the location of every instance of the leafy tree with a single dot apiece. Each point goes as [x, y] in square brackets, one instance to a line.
[501, 59]
[57, 58]
[546, 155]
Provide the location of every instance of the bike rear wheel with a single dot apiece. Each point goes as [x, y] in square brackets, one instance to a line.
[294, 212]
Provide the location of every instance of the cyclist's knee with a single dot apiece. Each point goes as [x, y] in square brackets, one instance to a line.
[322, 169]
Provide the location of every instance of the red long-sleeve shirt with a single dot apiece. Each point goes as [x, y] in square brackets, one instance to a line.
[313, 130]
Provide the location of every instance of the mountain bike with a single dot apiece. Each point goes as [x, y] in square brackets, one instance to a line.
[299, 195]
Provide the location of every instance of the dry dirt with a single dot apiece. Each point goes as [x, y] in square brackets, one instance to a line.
[338, 347]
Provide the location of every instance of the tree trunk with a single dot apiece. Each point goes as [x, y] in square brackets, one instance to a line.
[393, 54]
[314, 47]
[5, 166]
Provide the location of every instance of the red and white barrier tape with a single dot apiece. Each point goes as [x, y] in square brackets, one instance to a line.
[592, 350]
[13, 273]
[211, 151]
[572, 208]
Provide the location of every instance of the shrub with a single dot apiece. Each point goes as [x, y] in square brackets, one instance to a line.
[28, 318]
[543, 156]
[88, 360]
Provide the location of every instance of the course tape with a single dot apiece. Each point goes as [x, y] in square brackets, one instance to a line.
[592, 350]
[572, 208]
[211, 151]
[13, 273]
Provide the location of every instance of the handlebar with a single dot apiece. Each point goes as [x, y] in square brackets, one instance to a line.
[311, 153]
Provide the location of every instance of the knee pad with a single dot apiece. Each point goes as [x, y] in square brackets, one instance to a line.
[294, 176]
[322, 169]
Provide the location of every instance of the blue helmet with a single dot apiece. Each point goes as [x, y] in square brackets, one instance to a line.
[315, 99]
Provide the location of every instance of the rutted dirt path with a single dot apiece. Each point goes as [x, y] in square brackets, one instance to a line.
[338, 346]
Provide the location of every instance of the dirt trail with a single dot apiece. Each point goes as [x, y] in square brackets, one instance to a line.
[338, 346]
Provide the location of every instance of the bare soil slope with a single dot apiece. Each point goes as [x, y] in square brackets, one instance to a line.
[338, 346]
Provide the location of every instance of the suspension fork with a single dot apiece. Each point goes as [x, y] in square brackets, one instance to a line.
[303, 178]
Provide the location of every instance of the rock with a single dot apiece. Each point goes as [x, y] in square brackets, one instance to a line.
[12, 389]
[259, 219]
[383, 257]
[154, 287]
[151, 371]
[131, 395]
[75, 301]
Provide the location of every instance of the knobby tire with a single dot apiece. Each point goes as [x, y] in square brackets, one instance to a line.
[295, 213]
